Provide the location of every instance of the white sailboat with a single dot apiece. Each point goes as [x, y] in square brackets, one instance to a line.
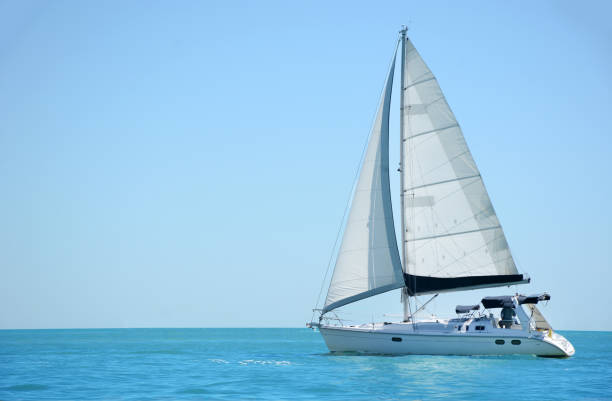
[451, 239]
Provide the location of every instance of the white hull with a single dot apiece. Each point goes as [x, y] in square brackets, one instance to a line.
[400, 339]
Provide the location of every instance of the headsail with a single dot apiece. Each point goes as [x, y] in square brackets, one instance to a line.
[368, 261]
[453, 238]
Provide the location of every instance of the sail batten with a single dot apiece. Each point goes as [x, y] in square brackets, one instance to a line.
[441, 182]
[431, 131]
[420, 82]
[451, 234]
[368, 261]
[453, 239]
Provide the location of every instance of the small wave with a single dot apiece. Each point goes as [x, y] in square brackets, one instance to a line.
[159, 351]
[193, 391]
[27, 387]
[259, 362]
[218, 360]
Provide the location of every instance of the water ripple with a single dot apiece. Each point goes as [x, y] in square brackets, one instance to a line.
[26, 387]
[270, 364]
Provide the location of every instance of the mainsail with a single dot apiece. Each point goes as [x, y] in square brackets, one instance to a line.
[453, 239]
[368, 261]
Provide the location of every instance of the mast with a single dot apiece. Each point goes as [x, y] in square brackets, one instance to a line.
[405, 296]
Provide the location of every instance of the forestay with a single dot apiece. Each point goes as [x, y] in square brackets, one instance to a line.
[368, 261]
[453, 238]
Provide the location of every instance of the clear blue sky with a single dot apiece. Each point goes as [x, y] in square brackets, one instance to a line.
[187, 163]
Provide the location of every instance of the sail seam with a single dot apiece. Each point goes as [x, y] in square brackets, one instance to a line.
[495, 262]
[465, 273]
[472, 268]
[442, 182]
[450, 161]
[475, 216]
[432, 131]
[462, 259]
[450, 234]
[420, 82]
[451, 194]
[426, 105]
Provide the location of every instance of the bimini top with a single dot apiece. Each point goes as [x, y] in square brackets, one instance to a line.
[466, 308]
[506, 301]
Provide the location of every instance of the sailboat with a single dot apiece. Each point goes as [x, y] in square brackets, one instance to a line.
[451, 240]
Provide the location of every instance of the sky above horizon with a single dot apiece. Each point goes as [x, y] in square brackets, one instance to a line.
[187, 164]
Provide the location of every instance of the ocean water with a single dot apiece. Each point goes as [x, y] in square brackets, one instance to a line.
[291, 364]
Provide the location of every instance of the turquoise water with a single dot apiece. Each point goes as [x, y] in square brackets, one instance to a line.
[229, 364]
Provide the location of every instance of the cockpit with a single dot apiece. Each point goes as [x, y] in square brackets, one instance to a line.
[511, 316]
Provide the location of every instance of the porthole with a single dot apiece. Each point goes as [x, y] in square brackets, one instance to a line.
[516, 342]
[396, 339]
[500, 342]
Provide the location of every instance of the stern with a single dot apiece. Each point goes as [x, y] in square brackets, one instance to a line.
[565, 348]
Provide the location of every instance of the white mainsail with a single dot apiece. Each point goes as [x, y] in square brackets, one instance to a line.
[368, 261]
[453, 239]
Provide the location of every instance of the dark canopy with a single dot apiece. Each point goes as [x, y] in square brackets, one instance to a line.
[466, 308]
[506, 301]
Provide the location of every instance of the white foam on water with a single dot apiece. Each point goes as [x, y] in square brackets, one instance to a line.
[260, 362]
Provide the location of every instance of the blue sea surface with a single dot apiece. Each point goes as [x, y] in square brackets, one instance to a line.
[291, 364]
